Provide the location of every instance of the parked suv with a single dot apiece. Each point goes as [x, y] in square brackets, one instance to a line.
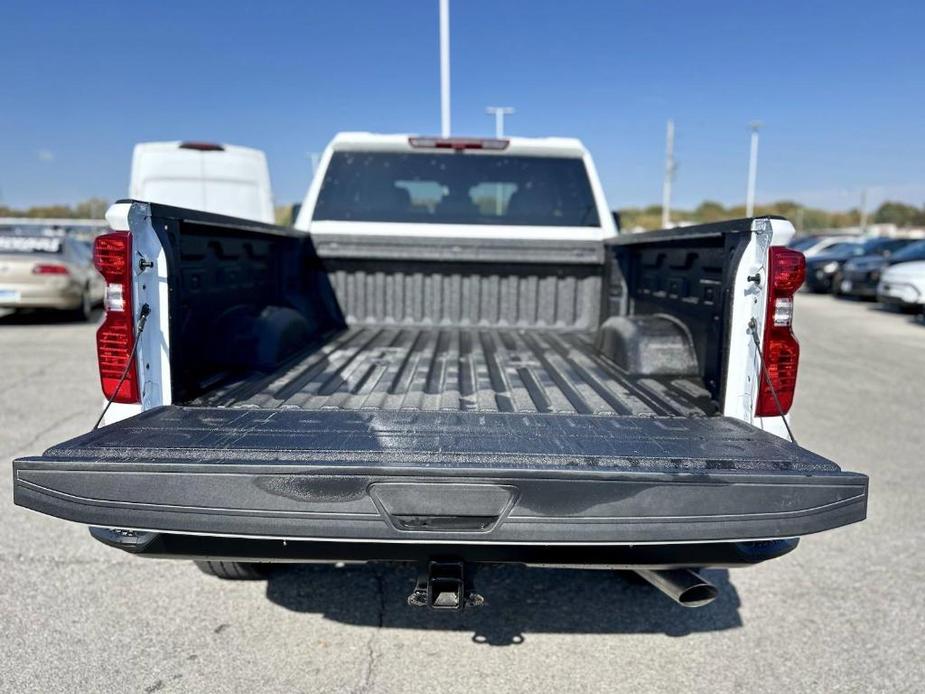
[861, 275]
[903, 282]
[824, 271]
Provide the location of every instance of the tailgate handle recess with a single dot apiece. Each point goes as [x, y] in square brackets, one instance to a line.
[443, 507]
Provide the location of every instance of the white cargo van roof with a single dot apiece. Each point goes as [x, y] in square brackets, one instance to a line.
[220, 178]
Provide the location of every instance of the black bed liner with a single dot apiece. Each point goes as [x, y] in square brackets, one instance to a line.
[441, 476]
[463, 369]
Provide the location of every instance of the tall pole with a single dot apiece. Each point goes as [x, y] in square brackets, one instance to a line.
[445, 68]
[499, 113]
[752, 170]
[669, 175]
[863, 211]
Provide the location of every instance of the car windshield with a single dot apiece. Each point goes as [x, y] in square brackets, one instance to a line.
[880, 246]
[457, 188]
[914, 251]
[803, 243]
[844, 250]
[29, 244]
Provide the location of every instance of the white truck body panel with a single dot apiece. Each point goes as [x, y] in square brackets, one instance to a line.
[149, 287]
[743, 369]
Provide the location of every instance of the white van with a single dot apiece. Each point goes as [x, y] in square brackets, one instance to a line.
[203, 176]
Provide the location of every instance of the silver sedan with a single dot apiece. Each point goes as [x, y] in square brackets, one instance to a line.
[48, 272]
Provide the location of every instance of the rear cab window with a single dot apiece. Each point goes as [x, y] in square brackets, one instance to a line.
[457, 188]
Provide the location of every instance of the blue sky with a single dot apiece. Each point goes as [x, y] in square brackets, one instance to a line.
[838, 85]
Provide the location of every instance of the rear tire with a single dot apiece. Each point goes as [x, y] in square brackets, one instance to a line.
[84, 311]
[233, 570]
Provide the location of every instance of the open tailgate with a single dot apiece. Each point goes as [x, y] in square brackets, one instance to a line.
[440, 476]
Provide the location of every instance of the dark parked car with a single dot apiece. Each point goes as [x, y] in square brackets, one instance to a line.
[861, 275]
[824, 272]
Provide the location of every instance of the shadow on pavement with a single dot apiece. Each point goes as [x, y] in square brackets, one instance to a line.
[519, 601]
[913, 314]
[45, 317]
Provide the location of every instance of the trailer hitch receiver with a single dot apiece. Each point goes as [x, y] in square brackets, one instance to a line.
[444, 585]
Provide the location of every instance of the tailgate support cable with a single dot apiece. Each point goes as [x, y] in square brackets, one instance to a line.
[753, 328]
[139, 328]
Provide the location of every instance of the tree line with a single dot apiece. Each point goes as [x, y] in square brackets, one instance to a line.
[94, 208]
[804, 218]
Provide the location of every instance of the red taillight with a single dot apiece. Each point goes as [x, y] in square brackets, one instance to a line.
[115, 339]
[50, 269]
[112, 255]
[786, 270]
[457, 143]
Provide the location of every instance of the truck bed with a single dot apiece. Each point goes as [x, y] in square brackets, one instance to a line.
[462, 369]
[438, 393]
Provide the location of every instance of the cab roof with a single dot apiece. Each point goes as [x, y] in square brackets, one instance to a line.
[524, 146]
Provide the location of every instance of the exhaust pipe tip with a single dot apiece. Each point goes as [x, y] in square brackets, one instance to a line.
[685, 587]
[699, 595]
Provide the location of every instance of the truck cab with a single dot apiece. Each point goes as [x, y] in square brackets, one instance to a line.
[515, 188]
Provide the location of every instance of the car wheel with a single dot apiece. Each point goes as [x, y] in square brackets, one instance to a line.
[233, 570]
[84, 311]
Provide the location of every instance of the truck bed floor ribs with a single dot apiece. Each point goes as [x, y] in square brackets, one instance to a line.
[473, 368]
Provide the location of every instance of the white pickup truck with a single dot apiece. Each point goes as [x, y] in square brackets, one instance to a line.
[453, 358]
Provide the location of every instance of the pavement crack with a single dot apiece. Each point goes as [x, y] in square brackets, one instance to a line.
[372, 654]
[41, 371]
[38, 435]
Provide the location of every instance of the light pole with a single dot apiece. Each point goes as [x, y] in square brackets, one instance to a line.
[752, 169]
[670, 167]
[445, 68]
[499, 113]
[862, 221]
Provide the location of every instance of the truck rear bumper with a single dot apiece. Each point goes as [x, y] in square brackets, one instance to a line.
[435, 477]
[263, 551]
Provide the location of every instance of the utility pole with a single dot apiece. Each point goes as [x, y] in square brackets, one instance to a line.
[863, 211]
[499, 113]
[752, 169]
[445, 68]
[670, 167]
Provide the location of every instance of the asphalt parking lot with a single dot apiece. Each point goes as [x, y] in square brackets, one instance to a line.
[846, 611]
